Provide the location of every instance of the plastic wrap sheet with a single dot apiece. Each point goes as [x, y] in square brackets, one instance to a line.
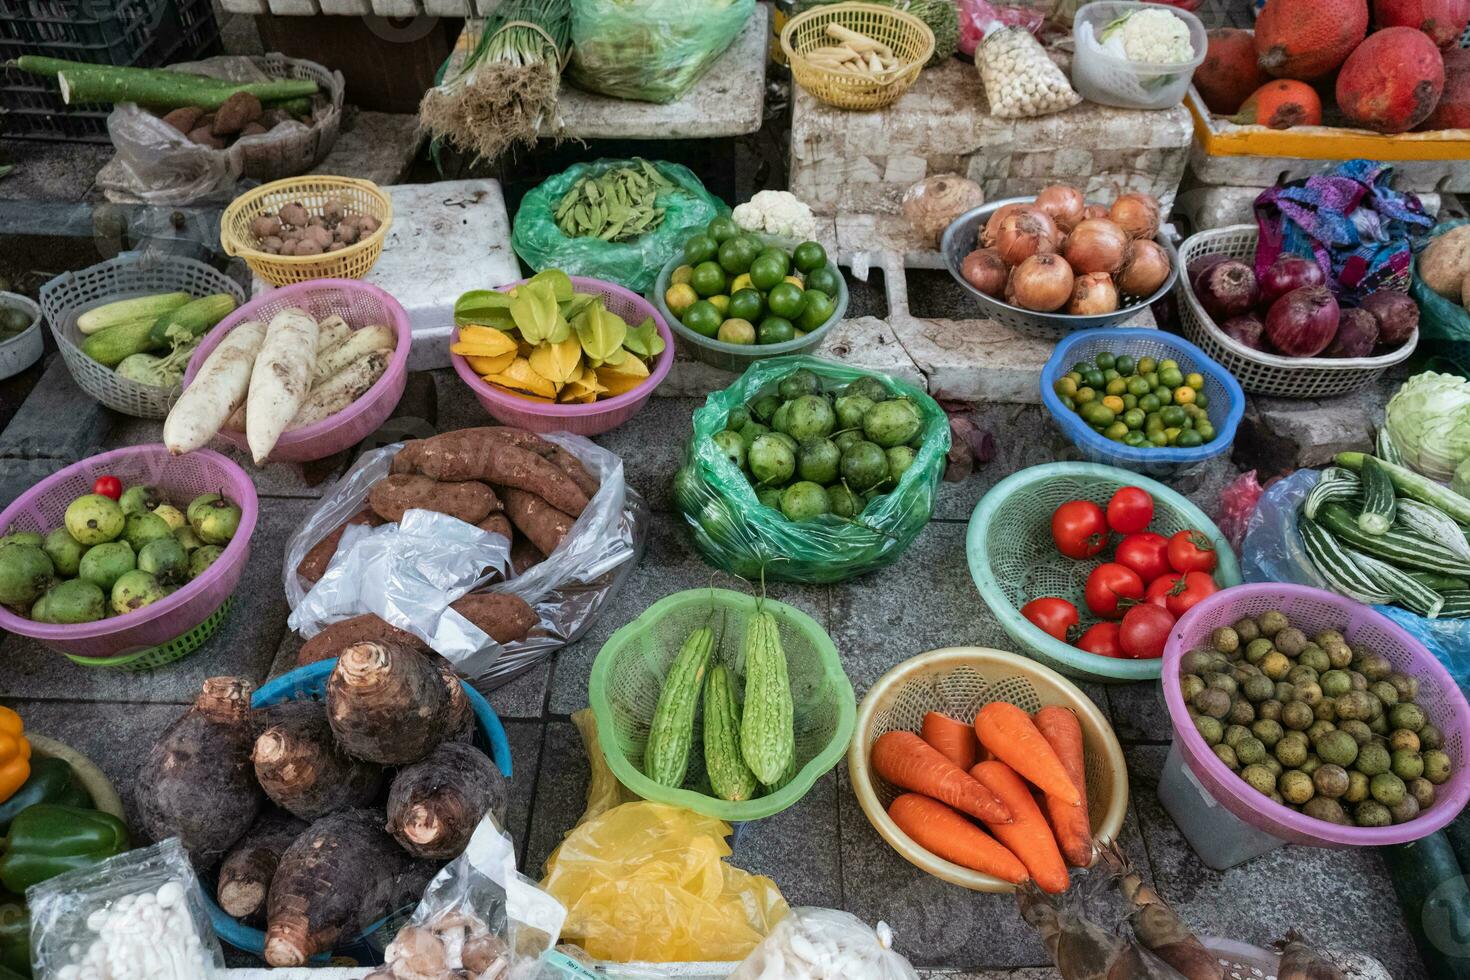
[825, 944]
[651, 50]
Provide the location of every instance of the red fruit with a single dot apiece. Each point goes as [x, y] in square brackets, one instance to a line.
[1197, 586]
[1453, 111]
[1281, 104]
[1307, 39]
[1107, 587]
[1144, 631]
[108, 486]
[1130, 510]
[1052, 616]
[1079, 529]
[1146, 553]
[1191, 551]
[1161, 588]
[1443, 20]
[1102, 640]
[1392, 82]
[1229, 72]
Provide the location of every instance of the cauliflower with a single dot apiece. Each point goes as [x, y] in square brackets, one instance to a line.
[776, 213]
[1153, 37]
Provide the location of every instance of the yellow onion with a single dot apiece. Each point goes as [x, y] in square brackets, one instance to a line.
[1064, 203]
[1096, 245]
[992, 224]
[1145, 268]
[1042, 283]
[1092, 295]
[1137, 213]
[1025, 233]
[986, 271]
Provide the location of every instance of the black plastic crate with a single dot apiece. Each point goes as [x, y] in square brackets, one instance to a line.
[138, 33]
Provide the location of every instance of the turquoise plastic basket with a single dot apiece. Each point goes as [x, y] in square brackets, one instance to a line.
[1013, 560]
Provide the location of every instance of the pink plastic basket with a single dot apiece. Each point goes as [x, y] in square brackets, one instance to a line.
[581, 420]
[1312, 610]
[359, 304]
[182, 478]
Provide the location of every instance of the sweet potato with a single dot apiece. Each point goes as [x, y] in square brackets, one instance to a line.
[303, 771]
[368, 627]
[415, 450]
[537, 519]
[493, 454]
[395, 495]
[504, 618]
[524, 555]
[345, 872]
[387, 703]
[434, 805]
[246, 872]
[498, 523]
[184, 119]
[197, 783]
[314, 565]
[575, 471]
[239, 111]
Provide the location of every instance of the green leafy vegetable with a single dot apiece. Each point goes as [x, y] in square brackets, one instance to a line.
[1429, 422]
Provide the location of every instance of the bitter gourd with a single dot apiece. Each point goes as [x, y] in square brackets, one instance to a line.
[729, 776]
[767, 738]
[666, 757]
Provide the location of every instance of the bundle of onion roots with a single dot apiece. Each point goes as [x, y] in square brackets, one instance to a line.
[502, 92]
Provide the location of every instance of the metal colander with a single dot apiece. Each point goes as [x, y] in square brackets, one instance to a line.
[1013, 559]
[628, 676]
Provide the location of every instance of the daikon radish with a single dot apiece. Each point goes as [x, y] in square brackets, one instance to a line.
[216, 391]
[342, 389]
[363, 341]
[331, 332]
[281, 380]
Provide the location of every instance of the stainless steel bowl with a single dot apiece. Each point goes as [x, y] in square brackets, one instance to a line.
[961, 238]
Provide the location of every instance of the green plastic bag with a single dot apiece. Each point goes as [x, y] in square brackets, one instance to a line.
[632, 264]
[735, 532]
[650, 50]
[1444, 325]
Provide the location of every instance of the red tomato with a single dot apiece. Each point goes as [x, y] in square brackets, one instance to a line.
[1052, 616]
[1101, 639]
[108, 486]
[1191, 551]
[1079, 529]
[1161, 588]
[1130, 510]
[1107, 584]
[1146, 553]
[1144, 631]
[1197, 585]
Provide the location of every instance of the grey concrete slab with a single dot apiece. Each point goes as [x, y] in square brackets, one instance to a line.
[525, 739]
[560, 795]
[58, 421]
[652, 447]
[798, 848]
[1139, 713]
[1342, 898]
[376, 146]
[19, 475]
[1024, 437]
[51, 171]
[244, 645]
[524, 697]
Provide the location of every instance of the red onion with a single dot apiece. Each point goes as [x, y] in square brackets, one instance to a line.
[1357, 334]
[1093, 294]
[1397, 315]
[1202, 264]
[1026, 233]
[1303, 322]
[1042, 283]
[1227, 289]
[1145, 268]
[1095, 245]
[1063, 203]
[986, 271]
[1246, 328]
[1289, 272]
[1137, 213]
[992, 224]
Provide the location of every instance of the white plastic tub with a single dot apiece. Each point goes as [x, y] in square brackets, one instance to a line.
[1220, 838]
[26, 347]
[1110, 80]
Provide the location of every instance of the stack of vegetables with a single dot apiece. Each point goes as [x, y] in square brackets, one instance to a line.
[127, 335]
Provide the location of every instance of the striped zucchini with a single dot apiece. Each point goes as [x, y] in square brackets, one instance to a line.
[729, 776]
[767, 735]
[666, 757]
[1335, 564]
[1440, 583]
[1385, 448]
[1379, 500]
[1336, 485]
[1456, 604]
[1421, 488]
[1432, 524]
[1405, 550]
[1405, 589]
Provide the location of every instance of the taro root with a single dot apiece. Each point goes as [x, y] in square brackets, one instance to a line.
[302, 769]
[246, 872]
[435, 804]
[387, 703]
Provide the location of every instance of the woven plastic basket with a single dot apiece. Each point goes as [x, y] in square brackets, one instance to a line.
[910, 39]
[313, 191]
[88, 776]
[1226, 402]
[26, 347]
[582, 420]
[360, 305]
[164, 654]
[1014, 560]
[629, 671]
[958, 682]
[181, 478]
[129, 275]
[309, 683]
[1313, 610]
[1261, 373]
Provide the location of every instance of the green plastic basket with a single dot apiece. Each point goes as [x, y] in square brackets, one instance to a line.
[154, 657]
[1013, 559]
[628, 675]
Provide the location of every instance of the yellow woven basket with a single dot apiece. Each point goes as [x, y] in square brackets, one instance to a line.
[313, 191]
[959, 681]
[910, 39]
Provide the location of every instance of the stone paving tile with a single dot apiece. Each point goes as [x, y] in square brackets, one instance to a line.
[1024, 437]
[525, 696]
[245, 643]
[798, 848]
[525, 739]
[560, 795]
[19, 475]
[1343, 898]
[1139, 713]
[653, 447]
[59, 421]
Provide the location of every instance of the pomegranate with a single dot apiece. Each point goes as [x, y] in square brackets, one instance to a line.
[1392, 82]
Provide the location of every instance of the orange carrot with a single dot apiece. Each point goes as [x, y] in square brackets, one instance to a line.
[1072, 824]
[909, 762]
[944, 832]
[954, 739]
[1009, 734]
[1027, 836]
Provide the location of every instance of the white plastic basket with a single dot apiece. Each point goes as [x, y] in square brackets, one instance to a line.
[1104, 78]
[26, 347]
[1261, 373]
[130, 274]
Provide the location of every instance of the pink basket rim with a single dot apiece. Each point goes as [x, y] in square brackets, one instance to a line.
[1197, 753]
[397, 365]
[240, 485]
[660, 369]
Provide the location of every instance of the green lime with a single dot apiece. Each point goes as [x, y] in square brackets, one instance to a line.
[1134, 418]
[703, 318]
[747, 304]
[1092, 376]
[775, 330]
[708, 279]
[1202, 400]
[1125, 364]
[1190, 438]
[1106, 361]
[1173, 416]
[818, 310]
[828, 279]
[736, 331]
[1171, 377]
[785, 300]
[736, 255]
[809, 256]
[1135, 438]
[1138, 387]
[722, 229]
[700, 248]
[780, 257]
[1148, 402]
[1097, 414]
[766, 272]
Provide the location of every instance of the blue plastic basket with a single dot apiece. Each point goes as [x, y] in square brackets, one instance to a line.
[310, 683]
[1226, 399]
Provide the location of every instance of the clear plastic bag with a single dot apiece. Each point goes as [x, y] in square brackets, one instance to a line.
[1274, 552]
[633, 264]
[138, 916]
[650, 50]
[1020, 80]
[977, 17]
[735, 532]
[430, 571]
[824, 944]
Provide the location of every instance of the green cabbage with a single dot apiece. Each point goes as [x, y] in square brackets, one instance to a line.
[1461, 483]
[1429, 421]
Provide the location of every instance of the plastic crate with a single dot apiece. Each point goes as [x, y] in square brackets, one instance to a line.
[137, 33]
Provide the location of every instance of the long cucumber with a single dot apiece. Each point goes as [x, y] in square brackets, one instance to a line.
[1407, 591]
[1440, 583]
[41, 65]
[1432, 524]
[1336, 565]
[1420, 488]
[1335, 485]
[109, 84]
[1456, 604]
[1379, 502]
[1405, 550]
[127, 310]
[1385, 448]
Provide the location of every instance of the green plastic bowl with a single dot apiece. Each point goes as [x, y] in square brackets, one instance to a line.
[628, 676]
[1013, 560]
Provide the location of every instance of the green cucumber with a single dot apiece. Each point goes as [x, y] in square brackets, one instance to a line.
[1456, 604]
[112, 346]
[767, 735]
[107, 83]
[1420, 488]
[1335, 564]
[1379, 501]
[1405, 550]
[1432, 524]
[666, 756]
[1386, 450]
[127, 310]
[1440, 583]
[191, 320]
[729, 776]
[1335, 485]
[1434, 895]
[1407, 592]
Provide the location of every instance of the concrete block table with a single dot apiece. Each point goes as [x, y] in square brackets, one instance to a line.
[382, 8]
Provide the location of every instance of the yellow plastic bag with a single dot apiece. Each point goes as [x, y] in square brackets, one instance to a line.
[646, 881]
[603, 790]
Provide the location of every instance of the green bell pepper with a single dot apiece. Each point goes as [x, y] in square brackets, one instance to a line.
[15, 940]
[50, 781]
[46, 840]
